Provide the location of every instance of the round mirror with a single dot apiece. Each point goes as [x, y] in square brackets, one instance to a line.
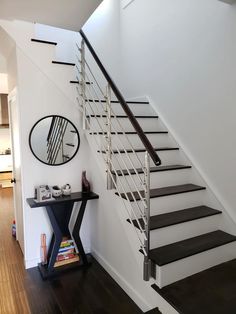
[54, 140]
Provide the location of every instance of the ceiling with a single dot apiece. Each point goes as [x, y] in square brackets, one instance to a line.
[67, 14]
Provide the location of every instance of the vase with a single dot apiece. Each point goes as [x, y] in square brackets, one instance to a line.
[85, 183]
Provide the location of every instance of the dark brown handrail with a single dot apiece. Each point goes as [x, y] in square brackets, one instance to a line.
[124, 105]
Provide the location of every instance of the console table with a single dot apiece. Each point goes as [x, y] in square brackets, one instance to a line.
[59, 211]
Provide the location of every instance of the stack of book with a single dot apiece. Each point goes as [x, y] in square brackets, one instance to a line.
[67, 253]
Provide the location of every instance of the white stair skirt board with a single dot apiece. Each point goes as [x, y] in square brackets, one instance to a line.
[194, 264]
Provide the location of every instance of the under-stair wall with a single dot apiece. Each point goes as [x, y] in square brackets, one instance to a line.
[40, 94]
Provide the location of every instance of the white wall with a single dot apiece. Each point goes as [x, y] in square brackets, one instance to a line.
[3, 64]
[45, 99]
[103, 31]
[182, 55]
[39, 96]
[3, 83]
[66, 48]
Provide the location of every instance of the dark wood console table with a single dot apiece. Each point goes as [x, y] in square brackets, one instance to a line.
[59, 212]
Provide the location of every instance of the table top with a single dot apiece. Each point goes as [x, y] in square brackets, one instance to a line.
[74, 197]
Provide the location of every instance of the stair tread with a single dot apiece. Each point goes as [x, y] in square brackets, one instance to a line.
[165, 191]
[180, 216]
[77, 82]
[43, 41]
[124, 116]
[63, 63]
[185, 248]
[129, 132]
[117, 101]
[152, 169]
[140, 150]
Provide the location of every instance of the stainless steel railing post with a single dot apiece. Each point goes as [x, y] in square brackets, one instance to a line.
[110, 184]
[147, 262]
[83, 86]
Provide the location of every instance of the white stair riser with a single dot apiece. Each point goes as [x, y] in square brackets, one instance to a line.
[182, 231]
[157, 179]
[124, 124]
[167, 158]
[123, 141]
[191, 265]
[166, 204]
[137, 109]
[99, 107]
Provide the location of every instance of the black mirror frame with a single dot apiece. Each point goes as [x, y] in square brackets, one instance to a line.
[51, 116]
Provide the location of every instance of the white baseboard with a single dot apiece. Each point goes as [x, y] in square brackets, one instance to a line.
[32, 263]
[134, 295]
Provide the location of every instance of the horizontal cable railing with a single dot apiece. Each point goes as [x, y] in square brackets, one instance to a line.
[55, 138]
[123, 103]
[133, 187]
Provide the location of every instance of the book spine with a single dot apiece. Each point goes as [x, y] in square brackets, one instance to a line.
[66, 256]
[66, 248]
[66, 252]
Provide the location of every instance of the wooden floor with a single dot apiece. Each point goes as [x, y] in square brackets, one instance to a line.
[88, 291]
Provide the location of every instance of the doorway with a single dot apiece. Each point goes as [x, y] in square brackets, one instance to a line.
[16, 165]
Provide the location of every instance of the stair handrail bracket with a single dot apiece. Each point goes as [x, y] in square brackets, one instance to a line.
[95, 102]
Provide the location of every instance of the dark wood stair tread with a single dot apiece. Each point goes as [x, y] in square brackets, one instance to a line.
[123, 116]
[129, 132]
[140, 150]
[43, 41]
[182, 249]
[77, 82]
[152, 169]
[63, 63]
[180, 216]
[208, 292]
[117, 101]
[165, 191]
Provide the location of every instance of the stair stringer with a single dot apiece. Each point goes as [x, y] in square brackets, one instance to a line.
[114, 243]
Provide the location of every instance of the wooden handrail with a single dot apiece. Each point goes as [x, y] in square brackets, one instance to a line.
[123, 103]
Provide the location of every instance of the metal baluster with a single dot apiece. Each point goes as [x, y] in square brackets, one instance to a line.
[110, 184]
[83, 85]
[147, 262]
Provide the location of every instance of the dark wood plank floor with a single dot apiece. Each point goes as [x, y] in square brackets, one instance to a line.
[212, 291]
[88, 291]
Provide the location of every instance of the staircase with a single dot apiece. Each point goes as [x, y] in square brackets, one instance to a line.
[173, 213]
